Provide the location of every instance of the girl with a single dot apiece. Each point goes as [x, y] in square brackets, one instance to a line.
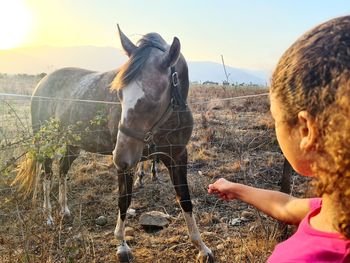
[310, 104]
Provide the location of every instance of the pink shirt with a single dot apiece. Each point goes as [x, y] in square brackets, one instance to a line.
[311, 245]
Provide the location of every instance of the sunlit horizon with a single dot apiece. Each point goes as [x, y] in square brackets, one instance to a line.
[249, 34]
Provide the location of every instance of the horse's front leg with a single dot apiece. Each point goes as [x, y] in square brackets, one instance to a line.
[154, 169]
[125, 179]
[64, 165]
[178, 173]
[62, 195]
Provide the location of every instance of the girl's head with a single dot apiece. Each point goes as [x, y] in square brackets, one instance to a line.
[311, 84]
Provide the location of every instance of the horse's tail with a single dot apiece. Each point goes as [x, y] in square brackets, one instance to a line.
[27, 177]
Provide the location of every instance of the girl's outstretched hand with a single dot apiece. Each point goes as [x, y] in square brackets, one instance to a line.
[223, 189]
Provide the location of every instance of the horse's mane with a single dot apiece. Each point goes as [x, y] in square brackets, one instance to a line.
[137, 60]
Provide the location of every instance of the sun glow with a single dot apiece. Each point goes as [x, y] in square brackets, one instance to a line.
[15, 23]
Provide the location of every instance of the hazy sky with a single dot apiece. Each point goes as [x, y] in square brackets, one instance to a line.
[250, 34]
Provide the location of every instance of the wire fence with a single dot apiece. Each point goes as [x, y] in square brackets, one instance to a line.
[233, 138]
[16, 130]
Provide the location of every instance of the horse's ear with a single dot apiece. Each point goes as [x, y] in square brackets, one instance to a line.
[172, 55]
[127, 45]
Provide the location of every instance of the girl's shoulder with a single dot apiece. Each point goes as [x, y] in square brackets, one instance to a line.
[317, 245]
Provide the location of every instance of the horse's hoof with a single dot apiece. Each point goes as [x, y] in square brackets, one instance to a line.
[205, 257]
[124, 254]
[66, 217]
[125, 257]
[66, 213]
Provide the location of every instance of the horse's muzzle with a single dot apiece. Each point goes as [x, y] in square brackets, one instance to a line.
[126, 158]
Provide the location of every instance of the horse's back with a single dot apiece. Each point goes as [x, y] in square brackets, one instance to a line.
[72, 96]
[63, 82]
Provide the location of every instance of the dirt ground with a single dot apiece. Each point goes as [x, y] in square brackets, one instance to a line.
[232, 138]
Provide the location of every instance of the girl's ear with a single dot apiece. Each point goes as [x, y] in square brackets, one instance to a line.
[307, 131]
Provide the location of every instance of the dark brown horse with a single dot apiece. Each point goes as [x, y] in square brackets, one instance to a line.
[145, 115]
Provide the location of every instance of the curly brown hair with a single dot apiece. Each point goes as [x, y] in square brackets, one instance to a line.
[314, 75]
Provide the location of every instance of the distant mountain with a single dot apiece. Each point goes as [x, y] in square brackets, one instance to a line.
[34, 60]
[211, 71]
[47, 59]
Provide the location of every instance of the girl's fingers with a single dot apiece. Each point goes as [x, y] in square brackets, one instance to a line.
[219, 194]
[212, 191]
[223, 196]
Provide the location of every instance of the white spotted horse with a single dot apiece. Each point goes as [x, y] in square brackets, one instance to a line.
[146, 116]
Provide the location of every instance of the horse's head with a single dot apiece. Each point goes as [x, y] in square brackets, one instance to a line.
[144, 89]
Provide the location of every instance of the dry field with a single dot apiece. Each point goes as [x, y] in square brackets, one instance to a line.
[233, 138]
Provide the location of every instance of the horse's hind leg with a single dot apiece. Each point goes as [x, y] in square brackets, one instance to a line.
[65, 163]
[286, 176]
[47, 165]
[178, 173]
[125, 191]
[154, 168]
[141, 175]
[285, 188]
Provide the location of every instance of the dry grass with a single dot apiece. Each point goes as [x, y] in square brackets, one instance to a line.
[233, 139]
[18, 84]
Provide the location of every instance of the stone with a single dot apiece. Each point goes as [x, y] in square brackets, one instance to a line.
[131, 212]
[235, 221]
[154, 219]
[101, 221]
